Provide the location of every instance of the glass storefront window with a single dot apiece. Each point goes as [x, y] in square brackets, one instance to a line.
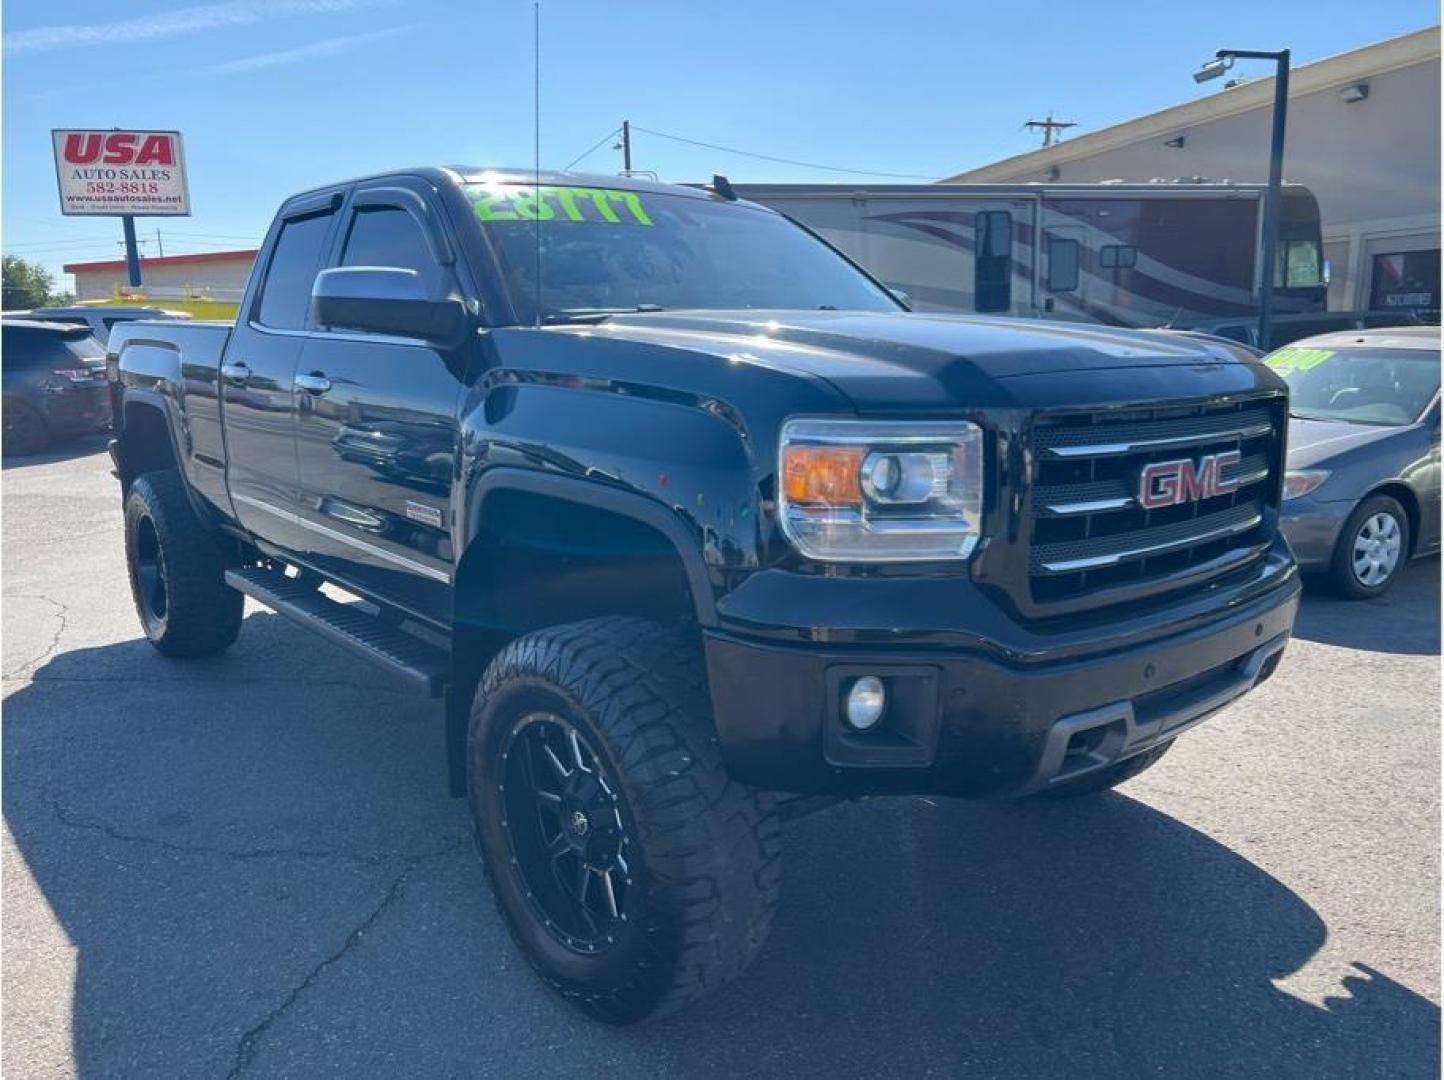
[1406, 281]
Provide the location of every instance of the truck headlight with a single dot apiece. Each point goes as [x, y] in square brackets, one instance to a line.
[881, 491]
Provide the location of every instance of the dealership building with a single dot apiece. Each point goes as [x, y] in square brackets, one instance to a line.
[211, 275]
[1362, 135]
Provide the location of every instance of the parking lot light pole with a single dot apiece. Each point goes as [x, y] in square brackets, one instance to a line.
[1222, 61]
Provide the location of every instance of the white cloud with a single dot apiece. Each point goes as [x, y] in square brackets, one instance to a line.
[326, 47]
[191, 20]
[302, 52]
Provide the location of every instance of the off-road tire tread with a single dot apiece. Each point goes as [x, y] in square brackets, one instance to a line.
[712, 846]
[203, 613]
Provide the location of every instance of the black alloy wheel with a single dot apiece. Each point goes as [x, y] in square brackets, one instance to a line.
[632, 871]
[568, 835]
[150, 588]
[177, 570]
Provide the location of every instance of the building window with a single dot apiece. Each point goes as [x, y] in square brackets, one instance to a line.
[1062, 265]
[993, 262]
[1118, 256]
[1407, 281]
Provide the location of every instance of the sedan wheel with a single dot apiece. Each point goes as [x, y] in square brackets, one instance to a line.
[1373, 547]
[1377, 546]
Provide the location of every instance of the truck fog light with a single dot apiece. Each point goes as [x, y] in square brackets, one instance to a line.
[865, 703]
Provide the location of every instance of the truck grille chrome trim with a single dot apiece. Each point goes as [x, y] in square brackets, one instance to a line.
[1089, 538]
[1069, 499]
[1133, 446]
[1157, 547]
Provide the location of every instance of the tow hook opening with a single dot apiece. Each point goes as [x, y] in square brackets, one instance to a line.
[1092, 748]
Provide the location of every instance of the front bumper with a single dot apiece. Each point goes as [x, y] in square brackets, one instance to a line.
[1312, 529]
[999, 717]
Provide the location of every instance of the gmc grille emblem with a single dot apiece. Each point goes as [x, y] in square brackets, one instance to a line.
[1168, 483]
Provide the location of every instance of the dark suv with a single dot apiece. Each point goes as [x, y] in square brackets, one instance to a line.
[54, 384]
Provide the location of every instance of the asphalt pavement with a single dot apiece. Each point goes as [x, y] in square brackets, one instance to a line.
[250, 866]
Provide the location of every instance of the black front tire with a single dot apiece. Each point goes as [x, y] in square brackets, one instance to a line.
[1359, 571]
[25, 430]
[177, 572]
[701, 854]
[1109, 778]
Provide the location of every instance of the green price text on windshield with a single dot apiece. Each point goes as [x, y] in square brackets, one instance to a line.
[1298, 359]
[548, 203]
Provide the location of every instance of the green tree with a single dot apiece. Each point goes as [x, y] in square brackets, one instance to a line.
[27, 285]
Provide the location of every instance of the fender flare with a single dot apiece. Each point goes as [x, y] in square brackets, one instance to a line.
[631, 504]
[158, 402]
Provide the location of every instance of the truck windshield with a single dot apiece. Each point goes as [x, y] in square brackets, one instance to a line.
[611, 250]
[1366, 386]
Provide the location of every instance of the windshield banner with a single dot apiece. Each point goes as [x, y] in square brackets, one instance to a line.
[595, 205]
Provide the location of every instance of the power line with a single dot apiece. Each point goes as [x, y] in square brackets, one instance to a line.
[592, 150]
[779, 160]
[213, 236]
[77, 241]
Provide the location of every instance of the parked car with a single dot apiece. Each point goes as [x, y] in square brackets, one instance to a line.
[54, 384]
[1361, 495]
[99, 319]
[1287, 328]
[691, 523]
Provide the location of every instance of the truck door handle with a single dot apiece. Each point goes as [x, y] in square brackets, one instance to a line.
[314, 383]
[237, 373]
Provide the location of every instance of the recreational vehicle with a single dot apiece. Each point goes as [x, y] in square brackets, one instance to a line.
[1160, 253]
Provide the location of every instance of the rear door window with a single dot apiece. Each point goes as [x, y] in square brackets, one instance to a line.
[286, 291]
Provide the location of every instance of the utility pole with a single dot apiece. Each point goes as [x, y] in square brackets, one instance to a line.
[625, 146]
[159, 247]
[1050, 126]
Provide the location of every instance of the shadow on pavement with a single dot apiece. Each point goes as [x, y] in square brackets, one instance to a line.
[64, 449]
[1403, 620]
[257, 865]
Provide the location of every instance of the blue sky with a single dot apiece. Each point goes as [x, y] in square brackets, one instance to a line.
[276, 95]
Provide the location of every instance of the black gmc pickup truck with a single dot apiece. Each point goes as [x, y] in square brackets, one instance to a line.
[691, 523]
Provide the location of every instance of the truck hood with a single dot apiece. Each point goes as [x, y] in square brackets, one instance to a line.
[914, 360]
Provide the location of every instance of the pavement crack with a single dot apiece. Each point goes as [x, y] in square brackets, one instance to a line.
[62, 612]
[150, 680]
[246, 1048]
[110, 832]
[74, 821]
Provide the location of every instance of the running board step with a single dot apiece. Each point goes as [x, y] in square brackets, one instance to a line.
[425, 665]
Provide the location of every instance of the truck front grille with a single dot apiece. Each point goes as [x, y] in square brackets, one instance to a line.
[1089, 531]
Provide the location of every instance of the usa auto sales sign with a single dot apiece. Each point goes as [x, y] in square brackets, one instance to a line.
[121, 172]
